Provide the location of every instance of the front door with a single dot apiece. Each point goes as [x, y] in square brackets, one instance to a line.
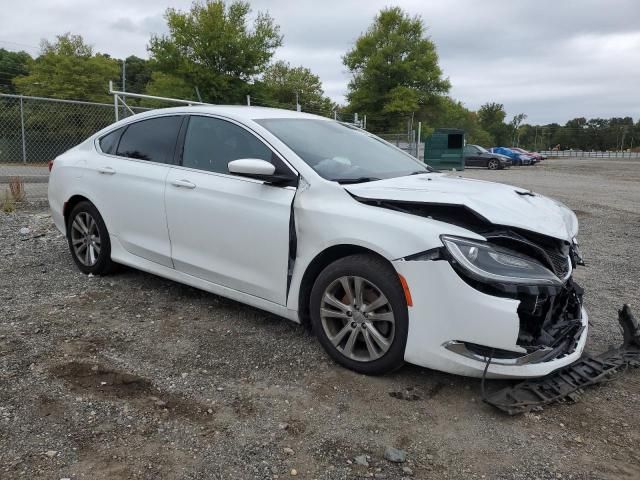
[471, 156]
[229, 230]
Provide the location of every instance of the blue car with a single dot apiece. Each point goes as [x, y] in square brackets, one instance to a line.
[516, 158]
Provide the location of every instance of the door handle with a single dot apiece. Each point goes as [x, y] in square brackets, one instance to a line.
[183, 184]
[106, 170]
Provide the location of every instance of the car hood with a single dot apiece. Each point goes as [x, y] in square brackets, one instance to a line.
[500, 204]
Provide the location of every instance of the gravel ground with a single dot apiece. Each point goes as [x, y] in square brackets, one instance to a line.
[133, 376]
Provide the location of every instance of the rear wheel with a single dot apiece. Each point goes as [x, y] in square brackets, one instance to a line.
[89, 239]
[359, 314]
[493, 164]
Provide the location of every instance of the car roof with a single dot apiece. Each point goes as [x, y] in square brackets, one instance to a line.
[238, 112]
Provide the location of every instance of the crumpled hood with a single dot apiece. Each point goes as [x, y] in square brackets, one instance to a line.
[498, 203]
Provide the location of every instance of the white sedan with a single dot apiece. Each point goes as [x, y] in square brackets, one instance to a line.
[325, 224]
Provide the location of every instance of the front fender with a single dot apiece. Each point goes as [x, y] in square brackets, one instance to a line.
[328, 216]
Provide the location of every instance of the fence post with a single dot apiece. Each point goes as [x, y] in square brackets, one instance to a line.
[24, 140]
[115, 99]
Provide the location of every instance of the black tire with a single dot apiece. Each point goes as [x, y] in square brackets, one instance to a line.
[493, 164]
[103, 263]
[380, 274]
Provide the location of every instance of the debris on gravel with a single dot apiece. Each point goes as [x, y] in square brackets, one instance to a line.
[395, 455]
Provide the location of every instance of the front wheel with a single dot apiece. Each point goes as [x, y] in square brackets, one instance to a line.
[493, 164]
[359, 314]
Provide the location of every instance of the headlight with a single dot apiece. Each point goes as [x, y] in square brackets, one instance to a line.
[486, 262]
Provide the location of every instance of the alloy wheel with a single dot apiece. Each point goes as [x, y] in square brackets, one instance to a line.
[357, 318]
[85, 239]
[493, 165]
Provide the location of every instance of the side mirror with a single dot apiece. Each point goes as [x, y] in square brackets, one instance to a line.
[251, 167]
[259, 170]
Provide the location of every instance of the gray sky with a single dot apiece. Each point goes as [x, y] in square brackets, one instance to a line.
[553, 60]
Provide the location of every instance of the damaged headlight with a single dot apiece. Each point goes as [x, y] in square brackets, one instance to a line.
[491, 263]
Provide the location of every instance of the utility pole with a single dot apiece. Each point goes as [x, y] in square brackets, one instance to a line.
[418, 141]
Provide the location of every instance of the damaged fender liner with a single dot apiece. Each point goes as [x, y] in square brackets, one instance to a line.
[567, 382]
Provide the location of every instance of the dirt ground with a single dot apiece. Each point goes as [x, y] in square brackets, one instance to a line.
[133, 376]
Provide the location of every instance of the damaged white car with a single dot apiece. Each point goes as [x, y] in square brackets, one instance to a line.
[323, 223]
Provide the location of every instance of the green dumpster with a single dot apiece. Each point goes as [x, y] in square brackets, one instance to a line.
[443, 149]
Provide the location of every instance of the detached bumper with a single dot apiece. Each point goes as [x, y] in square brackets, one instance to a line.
[447, 312]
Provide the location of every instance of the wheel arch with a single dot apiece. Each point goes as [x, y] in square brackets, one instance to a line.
[319, 263]
[71, 203]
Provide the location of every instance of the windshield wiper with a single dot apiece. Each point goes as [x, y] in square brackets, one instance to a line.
[355, 180]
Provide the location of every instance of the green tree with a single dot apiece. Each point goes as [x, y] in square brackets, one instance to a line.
[515, 128]
[449, 113]
[491, 116]
[281, 83]
[138, 73]
[395, 69]
[213, 47]
[12, 65]
[166, 85]
[69, 69]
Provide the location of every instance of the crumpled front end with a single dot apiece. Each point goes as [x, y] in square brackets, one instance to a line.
[527, 327]
[454, 327]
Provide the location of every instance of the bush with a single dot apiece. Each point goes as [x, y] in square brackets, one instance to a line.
[16, 185]
[7, 204]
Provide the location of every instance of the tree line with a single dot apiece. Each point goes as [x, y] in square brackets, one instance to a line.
[214, 53]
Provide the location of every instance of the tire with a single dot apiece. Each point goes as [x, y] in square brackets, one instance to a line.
[86, 228]
[379, 337]
[493, 164]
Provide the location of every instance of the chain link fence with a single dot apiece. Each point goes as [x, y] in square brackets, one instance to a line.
[407, 141]
[34, 130]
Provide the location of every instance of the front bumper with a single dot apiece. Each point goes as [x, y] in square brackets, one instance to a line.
[446, 309]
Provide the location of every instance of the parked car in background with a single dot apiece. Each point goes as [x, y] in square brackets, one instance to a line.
[518, 159]
[477, 156]
[538, 157]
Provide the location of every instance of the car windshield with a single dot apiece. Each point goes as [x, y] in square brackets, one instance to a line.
[482, 149]
[342, 153]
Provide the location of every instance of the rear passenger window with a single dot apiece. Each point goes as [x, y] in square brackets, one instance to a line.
[210, 144]
[153, 139]
[109, 142]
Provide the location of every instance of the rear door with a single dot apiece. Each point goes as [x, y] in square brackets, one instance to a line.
[226, 229]
[128, 184]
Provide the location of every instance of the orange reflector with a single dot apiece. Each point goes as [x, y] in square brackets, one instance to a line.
[407, 293]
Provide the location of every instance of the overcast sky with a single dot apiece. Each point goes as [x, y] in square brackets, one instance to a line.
[553, 60]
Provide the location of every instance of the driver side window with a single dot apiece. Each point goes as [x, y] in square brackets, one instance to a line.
[211, 143]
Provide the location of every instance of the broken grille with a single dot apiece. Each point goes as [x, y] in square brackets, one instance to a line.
[561, 263]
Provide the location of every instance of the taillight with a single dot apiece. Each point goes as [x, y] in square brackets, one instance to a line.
[50, 164]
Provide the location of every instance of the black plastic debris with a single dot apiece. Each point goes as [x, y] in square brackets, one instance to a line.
[565, 384]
